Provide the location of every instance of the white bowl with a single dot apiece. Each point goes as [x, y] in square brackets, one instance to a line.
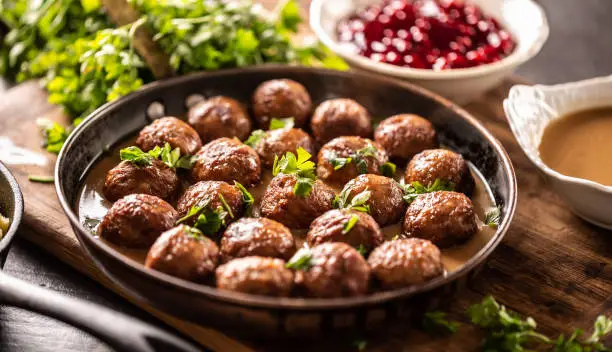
[523, 18]
[531, 108]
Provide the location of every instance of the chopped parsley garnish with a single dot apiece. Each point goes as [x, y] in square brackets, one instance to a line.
[362, 250]
[388, 169]
[358, 202]
[436, 322]
[193, 232]
[247, 199]
[91, 224]
[277, 124]
[207, 220]
[171, 157]
[301, 167]
[348, 226]
[493, 217]
[226, 206]
[358, 158]
[301, 260]
[255, 137]
[413, 190]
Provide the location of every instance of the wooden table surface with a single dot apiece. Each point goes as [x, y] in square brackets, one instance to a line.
[552, 265]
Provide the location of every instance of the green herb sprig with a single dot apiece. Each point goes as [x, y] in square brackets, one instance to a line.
[54, 135]
[436, 322]
[358, 202]
[493, 217]
[350, 224]
[301, 167]
[207, 220]
[171, 157]
[413, 190]
[301, 260]
[275, 124]
[359, 159]
[247, 199]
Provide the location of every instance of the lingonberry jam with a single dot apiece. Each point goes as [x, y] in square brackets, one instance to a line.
[426, 34]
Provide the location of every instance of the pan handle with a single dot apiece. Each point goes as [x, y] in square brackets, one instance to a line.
[118, 330]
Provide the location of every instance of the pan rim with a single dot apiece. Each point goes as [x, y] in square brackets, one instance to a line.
[255, 301]
[17, 215]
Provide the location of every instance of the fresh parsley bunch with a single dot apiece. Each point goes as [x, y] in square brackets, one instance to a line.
[301, 167]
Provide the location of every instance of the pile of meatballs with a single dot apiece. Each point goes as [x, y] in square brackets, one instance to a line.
[250, 254]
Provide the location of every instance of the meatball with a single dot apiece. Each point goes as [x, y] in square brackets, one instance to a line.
[430, 165]
[406, 262]
[279, 203]
[184, 252]
[216, 194]
[219, 117]
[169, 130]
[156, 179]
[281, 98]
[366, 157]
[136, 220]
[336, 270]
[257, 236]
[228, 160]
[280, 141]
[405, 135]
[386, 201]
[340, 117]
[342, 225]
[444, 218]
[256, 275]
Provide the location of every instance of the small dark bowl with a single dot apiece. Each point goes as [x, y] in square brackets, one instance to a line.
[257, 315]
[11, 206]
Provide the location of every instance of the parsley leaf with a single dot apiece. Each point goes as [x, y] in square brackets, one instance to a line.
[416, 188]
[136, 156]
[358, 158]
[362, 250]
[388, 169]
[193, 232]
[301, 167]
[172, 157]
[348, 226]
[226, 206]
[289, 16]
[493, 217]
[435, 322]
[207, 220]
[358, 202]
[301, 260]
[247, 199]
[277, 124]
[255, 138]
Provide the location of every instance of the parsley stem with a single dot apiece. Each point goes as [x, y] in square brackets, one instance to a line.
[41, 178]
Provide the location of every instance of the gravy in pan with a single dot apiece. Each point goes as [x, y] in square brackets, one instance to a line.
[92, 206]
[578, 145]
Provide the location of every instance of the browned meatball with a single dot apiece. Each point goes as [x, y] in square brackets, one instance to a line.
[340, 117]
[342, 225]
[406, 262]
[366, 157]
[281, 204]
[219, 117]
[256, 275]
[281, 98]
[136, 220]
[430, 165]
[337, 270]
[184, 252]
[156, 179]
[212, 193]
[257, 236]
[386, 201]
[228, 160]
[280, 141]
[444, 218]
[405, 135]
[169, 130]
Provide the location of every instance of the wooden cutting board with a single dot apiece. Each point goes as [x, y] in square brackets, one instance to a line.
[551, 266]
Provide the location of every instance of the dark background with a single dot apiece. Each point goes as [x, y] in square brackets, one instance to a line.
[580, 46]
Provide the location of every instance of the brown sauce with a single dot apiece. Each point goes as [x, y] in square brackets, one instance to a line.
[92, 205]
[580, 145]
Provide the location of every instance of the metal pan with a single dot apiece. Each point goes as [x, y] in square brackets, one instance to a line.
[267, 316]
[119, 331]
